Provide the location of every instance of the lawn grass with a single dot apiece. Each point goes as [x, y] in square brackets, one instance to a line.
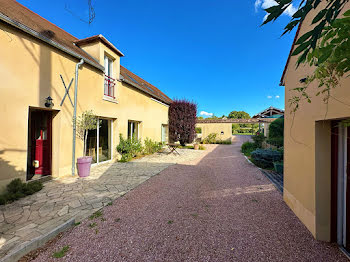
[61, 253]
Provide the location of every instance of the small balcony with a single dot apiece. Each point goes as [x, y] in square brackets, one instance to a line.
[109, 86]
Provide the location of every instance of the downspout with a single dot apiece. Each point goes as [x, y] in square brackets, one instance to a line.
[75, 113]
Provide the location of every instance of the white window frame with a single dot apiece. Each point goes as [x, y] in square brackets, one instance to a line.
[108, 63]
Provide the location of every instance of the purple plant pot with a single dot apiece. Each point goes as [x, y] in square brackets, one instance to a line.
[84, 164]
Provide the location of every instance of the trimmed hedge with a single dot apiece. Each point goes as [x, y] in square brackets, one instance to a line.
[265, 158]
[276, 131]
[17, 189]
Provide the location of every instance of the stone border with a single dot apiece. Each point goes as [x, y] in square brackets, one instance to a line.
[278, 186]
[25, 248]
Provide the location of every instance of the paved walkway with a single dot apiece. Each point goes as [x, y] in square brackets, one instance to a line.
[63, 199]
[218, 208]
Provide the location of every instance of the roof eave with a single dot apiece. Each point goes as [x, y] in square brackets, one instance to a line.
[142, 90]
[102, 39]
[282, 81]
[35, 34]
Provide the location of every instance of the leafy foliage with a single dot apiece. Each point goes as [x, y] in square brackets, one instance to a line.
[61, 253]
[276, 128]
[210, 139]
[133, 147]
[326, 46]
[16, 189]
[239, 115]
[182, 121]
[87, 121]
[265, 158]
[129, 148]
[151, 146]
[258, 139]
[198, 130]
[248, 147]
[278, 166]
[276, 132]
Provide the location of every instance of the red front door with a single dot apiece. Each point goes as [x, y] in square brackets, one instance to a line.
[41, 142]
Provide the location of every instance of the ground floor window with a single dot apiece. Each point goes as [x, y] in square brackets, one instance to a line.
[133, 129]
[165, 133]
[99, 142]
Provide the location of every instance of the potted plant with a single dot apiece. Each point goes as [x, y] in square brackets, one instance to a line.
[87, 121]
[196, 146]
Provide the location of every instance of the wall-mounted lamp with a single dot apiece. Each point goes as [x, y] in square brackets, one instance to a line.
[48, 102]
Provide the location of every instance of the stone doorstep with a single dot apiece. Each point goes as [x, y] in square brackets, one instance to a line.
[35, 243]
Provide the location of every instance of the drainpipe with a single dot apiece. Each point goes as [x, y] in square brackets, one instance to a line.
[75, 113]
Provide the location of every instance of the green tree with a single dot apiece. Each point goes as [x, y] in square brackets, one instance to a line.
[325, 46]
[87, 121]
[235, 127]
[239, 115]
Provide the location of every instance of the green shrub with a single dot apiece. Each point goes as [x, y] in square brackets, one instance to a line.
[16, 189]
[198, 130]
[129, 148]
[278, 166]
[276, 129]
[275, 141]
[264, 158]
[223, 142]
[210, 139]
[151, 146]
[258, 139]
[248, 147]
[201, 147]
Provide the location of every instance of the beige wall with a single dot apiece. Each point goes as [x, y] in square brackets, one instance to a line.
[30, 72]
[217, 128]
[307, 167]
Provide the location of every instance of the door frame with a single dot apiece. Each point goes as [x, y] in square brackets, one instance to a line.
[31, 147]
[340, 193]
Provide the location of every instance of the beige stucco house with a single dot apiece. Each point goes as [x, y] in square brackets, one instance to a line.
[316, 154]
[223, 127]
[39, 61]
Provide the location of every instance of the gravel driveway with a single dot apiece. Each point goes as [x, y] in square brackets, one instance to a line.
[217, 208]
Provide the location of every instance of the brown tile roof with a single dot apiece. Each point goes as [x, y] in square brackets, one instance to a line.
[139, 83]
[26, 19]
[101, 38]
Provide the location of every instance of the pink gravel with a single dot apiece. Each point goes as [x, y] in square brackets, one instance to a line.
[218, 208]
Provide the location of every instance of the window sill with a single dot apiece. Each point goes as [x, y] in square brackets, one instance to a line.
[110, 99]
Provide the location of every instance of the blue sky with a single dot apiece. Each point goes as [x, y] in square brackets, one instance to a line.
[212, 52]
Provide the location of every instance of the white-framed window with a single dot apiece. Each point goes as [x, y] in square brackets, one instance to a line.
[99, 141]
[133, 129]
[109, 82]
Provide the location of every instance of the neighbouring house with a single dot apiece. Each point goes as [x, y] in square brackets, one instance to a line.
[271, 112]
[223, 126]
[38, 63]
[316, 158]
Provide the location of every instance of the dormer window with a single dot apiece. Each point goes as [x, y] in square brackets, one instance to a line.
[109, 80]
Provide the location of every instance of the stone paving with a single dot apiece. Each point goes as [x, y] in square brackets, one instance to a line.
[63, 199]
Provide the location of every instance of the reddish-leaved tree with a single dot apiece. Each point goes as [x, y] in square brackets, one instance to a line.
[182, 121]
